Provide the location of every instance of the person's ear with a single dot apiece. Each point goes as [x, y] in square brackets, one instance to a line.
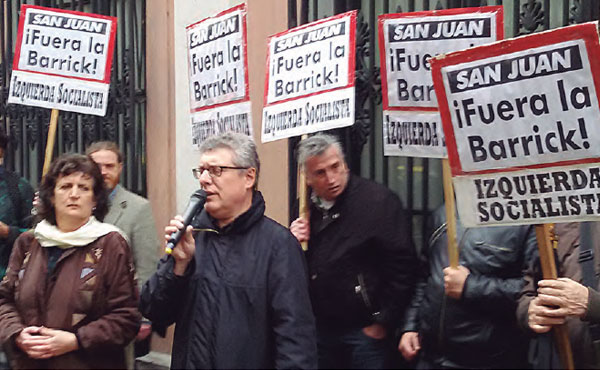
[250, 178]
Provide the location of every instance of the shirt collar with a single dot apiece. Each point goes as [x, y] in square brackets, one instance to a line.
[320, 202]
[112, 194]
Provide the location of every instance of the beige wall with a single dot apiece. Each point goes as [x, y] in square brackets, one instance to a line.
[267, 17]
[169, 151]
[160, 139]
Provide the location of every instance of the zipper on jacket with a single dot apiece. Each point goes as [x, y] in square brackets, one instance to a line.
[437, 233]
[207, 230]
[496, 247]
[361, 289]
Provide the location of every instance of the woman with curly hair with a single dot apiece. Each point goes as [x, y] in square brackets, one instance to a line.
[69, 299]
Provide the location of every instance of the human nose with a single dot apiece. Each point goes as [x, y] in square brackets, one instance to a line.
[204, 177]
[74, 192]
[330, 177]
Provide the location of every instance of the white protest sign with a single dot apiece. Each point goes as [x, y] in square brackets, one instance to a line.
[408, 40]
[522, 107]
[413, 134]
[310, 78]
[63, 60]
[218, 75]
[231, 117]
[555, 194]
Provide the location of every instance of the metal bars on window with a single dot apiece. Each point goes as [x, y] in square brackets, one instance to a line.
[125, 119]
[418, 181]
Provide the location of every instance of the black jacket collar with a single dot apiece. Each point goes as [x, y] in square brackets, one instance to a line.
[240, 224]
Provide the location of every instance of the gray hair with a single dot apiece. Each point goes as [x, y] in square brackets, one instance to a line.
[317, 145]
[242, 146]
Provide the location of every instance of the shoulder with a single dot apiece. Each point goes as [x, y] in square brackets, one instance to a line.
[114, 241]
[25, 242]
[523, 230]
[277, 234]
[24, 183]
[25, 238]
[132, 204]
[133, 198]
[370, 191]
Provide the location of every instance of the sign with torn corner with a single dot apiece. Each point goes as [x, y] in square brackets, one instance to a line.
[218, 75]
[522, 123]
[63, 60]
[309, 83]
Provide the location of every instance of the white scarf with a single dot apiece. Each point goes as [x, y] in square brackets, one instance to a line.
[49, 235]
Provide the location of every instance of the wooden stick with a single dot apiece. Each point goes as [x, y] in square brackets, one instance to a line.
[450, 214]
[50, 141]
[302, 203]
[546, 241]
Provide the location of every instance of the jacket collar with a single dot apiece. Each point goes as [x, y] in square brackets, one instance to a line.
[240, 224]
[116, 198]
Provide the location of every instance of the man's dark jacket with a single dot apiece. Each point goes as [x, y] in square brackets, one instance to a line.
[478, 330]
[13, 189]
[243, 301]
[361, 258]
[585, 352]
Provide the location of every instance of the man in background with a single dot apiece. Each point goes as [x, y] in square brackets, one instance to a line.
[132, 214]
[463, 317]
[361, 259]
[572, 300]
[16, 196]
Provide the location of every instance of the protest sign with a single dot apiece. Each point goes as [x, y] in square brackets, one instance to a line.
[63, 60]
[520, 118]
[218, 73]
[406, 42]
[552, 194]
[230, 117]
[413, 134]
[309, 84]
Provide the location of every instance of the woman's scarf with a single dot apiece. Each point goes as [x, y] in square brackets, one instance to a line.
[49, 235]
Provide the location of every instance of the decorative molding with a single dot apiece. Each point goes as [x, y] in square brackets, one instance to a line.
[367, 88]
[531, 17]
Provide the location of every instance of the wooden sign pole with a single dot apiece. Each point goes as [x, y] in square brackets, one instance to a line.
[302, 195]
[450, 214]
[50, 141]
[546, 249]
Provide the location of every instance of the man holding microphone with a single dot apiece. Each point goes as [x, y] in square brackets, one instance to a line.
[236, 282]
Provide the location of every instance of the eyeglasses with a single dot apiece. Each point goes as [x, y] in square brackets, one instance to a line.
[214, 171]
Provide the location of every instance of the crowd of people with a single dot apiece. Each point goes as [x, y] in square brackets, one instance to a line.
[82, 282]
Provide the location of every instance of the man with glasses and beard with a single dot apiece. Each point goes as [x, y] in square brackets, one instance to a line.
[236, 283]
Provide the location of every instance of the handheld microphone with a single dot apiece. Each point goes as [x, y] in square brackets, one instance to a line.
[196, 202]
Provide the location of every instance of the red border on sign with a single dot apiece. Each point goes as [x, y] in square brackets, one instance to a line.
[499, 15]
[586, 32]
[111, 41]
[351, 62]
[245, 98]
